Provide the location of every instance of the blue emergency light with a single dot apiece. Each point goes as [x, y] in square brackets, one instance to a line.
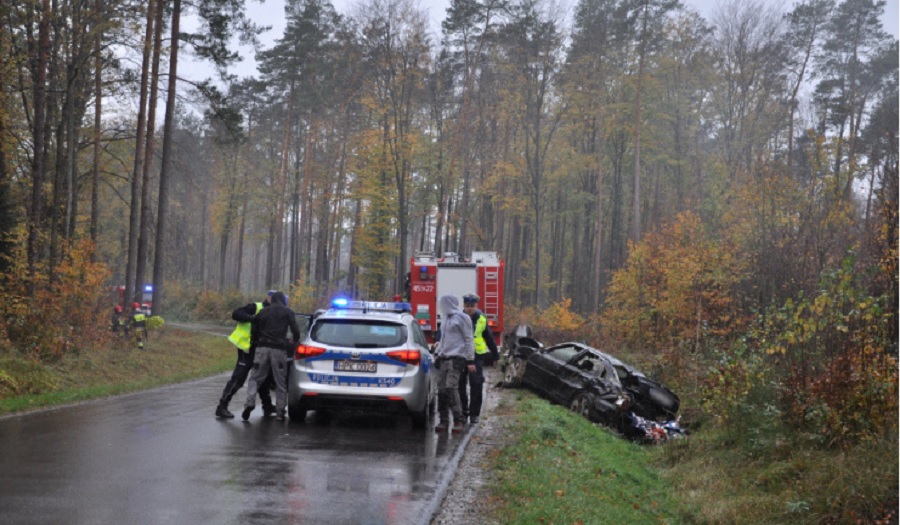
[148, 287]
[340, 302]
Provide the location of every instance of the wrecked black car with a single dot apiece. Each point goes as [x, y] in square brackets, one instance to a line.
[589, 382]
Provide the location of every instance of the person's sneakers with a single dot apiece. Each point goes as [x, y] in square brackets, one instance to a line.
[223, 413]
[473, 420]
[442, 426]
[245, 415]
[458, 427]
[268, 410]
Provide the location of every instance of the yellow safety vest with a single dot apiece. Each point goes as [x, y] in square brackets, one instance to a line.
[241, 334]
[480, 345]
[140, 320]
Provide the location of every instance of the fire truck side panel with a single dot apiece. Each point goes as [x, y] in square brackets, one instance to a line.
[457, 281]
[423, 296]
[431, 279]
[490, 289]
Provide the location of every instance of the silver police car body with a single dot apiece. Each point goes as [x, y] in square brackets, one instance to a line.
[365, 356]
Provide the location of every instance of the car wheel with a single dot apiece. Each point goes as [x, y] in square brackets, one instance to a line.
[419, 419]
[583, 404]
[296, 413]
[323, 417]
[512, 375]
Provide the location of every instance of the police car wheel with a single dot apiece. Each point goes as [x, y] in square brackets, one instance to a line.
[297, 414]
[323, 417]
[419, 419]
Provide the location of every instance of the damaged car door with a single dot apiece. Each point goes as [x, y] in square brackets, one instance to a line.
[544, 367]
[577, 375]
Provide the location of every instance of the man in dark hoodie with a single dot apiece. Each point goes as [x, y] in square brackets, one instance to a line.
[269, 333]
[246, 351]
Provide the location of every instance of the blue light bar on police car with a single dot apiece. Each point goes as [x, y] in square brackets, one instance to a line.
[340, 302]
[380, 306]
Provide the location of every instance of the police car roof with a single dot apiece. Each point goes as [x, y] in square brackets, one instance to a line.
[373, 315]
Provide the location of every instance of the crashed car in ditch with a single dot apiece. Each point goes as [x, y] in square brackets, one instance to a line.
[592, 383]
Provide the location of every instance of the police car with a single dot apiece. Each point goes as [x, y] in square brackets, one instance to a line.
[361, 355]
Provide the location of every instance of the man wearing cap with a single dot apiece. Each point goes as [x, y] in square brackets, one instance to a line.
[246, 350]
[485, 352]
[455, 357]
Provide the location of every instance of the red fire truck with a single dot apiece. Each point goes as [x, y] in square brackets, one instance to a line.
[146, 297]
[431, 278]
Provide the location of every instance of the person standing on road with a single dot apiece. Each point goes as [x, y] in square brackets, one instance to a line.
[268, 332]
[486, 353]
[246, 351]
[455, 356]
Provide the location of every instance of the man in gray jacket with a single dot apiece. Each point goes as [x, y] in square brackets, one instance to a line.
[455, 355]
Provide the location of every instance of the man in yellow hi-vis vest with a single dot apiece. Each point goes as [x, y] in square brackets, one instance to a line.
[246, 351]
[485, 352]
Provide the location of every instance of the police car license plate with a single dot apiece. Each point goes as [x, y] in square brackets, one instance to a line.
[355, 366]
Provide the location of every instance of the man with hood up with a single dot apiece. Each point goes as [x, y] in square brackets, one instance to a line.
[455, 356]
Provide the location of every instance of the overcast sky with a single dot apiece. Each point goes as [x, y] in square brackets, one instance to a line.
[271, 13]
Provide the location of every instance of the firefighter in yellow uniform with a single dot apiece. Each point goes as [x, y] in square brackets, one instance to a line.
[246, 351]
[139, 325]
[485, 352]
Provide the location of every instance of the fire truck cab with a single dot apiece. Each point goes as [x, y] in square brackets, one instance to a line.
[432, 277]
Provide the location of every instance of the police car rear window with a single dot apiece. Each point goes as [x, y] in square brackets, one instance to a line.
[358, 333]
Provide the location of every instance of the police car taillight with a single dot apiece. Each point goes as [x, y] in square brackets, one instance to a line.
[410, 357]
[304, 351]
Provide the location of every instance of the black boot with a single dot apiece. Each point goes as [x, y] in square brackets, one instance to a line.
[268, 410]
[223, 413]
[245, 415]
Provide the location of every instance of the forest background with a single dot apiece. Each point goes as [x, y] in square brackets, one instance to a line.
[714, 197]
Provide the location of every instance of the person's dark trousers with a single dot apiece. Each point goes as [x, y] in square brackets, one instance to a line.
[475, 380]
[239, 377]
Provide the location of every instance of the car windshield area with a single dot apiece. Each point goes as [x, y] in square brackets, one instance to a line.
[592, 364]
[563, 353]
[359, 333]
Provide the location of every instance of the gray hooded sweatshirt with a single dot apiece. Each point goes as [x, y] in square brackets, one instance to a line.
[457, 339]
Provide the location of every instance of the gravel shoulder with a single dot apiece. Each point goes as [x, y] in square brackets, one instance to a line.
[469, 499]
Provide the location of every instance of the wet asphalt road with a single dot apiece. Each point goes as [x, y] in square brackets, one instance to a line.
[161, 457]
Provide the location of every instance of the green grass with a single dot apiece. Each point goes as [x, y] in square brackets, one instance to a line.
[563, 470]
[171, 356]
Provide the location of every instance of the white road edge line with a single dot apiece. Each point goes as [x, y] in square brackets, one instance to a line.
[430, 510]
